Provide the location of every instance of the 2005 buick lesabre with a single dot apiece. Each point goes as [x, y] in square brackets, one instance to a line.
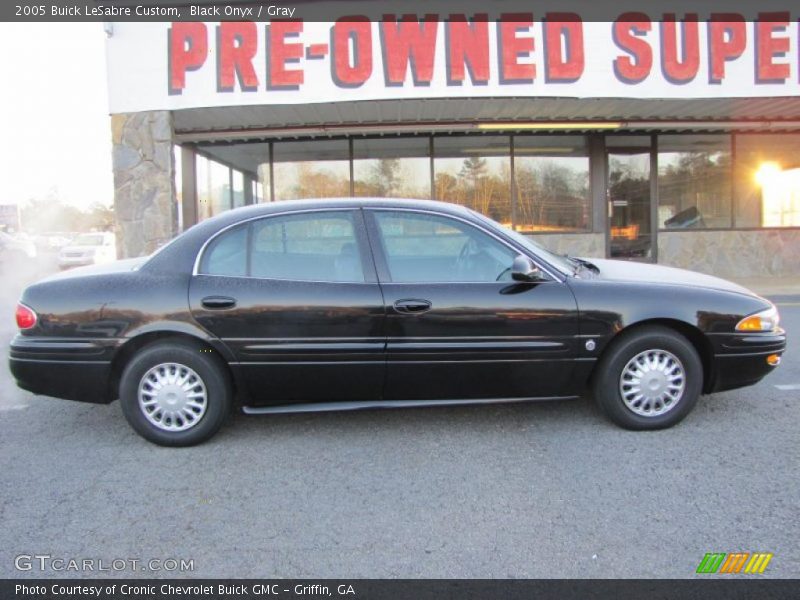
[349, 304]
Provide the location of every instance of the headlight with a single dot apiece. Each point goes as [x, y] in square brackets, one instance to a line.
[766, 320]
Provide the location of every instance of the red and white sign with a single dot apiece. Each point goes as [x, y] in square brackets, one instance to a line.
[191, 64]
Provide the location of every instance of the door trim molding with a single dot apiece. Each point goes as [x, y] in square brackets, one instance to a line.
[385, 404]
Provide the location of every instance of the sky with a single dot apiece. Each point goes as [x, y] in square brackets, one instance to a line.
[55, 133]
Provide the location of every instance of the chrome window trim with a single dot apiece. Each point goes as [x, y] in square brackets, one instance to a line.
[544, 265]
[554, 274]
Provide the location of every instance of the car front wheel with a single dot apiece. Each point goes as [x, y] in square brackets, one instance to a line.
[648, 379]
[175, 393]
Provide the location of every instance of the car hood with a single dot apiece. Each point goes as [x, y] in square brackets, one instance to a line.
[623, 270]
[117, 266]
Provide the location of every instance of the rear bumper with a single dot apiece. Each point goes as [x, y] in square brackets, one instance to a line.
[62, 369]
[741, 359]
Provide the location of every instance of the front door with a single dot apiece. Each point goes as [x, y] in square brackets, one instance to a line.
[630, 207]
[296, 298]
[458, 326]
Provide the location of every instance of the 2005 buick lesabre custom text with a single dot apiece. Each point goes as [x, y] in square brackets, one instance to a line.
[348, 304]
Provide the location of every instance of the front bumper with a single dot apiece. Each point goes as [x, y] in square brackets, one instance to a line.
[740, 359]
[69, 369]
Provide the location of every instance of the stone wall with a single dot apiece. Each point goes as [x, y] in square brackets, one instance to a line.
[752, 253]
[731, 254]
[144, 181]
[589, 245]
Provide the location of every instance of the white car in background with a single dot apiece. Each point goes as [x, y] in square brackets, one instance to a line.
[88, 249]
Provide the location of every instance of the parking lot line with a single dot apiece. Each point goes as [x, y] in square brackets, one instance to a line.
[788, 387]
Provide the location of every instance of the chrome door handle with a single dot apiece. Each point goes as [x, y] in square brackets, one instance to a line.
[412, 307]
[218, 302]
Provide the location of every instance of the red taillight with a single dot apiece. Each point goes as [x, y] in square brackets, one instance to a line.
[26, 318]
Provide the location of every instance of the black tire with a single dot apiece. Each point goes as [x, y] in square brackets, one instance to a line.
[213, 376]
[607, 384]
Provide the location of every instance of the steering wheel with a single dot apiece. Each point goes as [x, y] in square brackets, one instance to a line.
[503, 272]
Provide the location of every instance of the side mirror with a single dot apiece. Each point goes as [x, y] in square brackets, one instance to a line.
[524, 269]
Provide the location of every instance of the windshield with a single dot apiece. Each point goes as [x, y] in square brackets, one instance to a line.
[557, 260]
[88, 239]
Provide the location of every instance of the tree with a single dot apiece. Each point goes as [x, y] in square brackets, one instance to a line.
[385, 177]
[473, 170]
[100, 217]
[446, 187]
[42, 215]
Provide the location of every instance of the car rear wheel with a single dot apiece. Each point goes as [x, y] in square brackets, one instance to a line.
[648, 379]
[175, 393]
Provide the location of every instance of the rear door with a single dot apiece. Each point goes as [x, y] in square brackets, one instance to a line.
[458, 326]
[295, 296]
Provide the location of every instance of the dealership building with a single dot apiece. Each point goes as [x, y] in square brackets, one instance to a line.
[674, 141]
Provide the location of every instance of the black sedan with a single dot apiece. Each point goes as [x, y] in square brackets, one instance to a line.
[349, 304]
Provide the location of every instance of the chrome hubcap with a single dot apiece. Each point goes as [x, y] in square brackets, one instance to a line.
[172, 397]
[652, 383]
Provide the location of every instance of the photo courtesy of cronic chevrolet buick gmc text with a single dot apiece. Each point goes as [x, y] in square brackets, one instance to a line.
[348, 303]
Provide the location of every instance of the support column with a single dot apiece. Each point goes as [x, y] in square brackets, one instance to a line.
[145, 206]
[188, 187]
[249, 182]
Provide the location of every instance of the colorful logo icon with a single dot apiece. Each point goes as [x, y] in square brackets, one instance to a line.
[735, 562]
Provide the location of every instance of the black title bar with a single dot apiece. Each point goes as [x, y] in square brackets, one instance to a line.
[331, 10]
[733, 588]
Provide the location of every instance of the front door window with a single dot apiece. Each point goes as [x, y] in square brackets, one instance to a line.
[422, 248]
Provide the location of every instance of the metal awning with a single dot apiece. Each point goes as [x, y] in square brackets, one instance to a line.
[380, 117]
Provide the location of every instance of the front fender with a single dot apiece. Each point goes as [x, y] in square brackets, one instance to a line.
[607, 308]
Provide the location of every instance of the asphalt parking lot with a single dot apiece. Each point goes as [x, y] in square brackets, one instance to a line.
[537, 490]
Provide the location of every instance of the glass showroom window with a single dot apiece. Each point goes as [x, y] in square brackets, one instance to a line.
[237, 193]
[264, 185]
[392, 167]
[311, 169]
[213, 188]
[219, 186]
[475, 172]
[767, 183]
[552, 177]
[694, 181]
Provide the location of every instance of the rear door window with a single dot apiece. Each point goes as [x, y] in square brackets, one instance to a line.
[318, 246]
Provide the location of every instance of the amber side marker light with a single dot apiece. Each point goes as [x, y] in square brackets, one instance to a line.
[773, 360]
[26, 318]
